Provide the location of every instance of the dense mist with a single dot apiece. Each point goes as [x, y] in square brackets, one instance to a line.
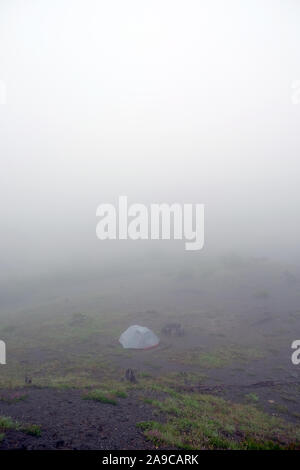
[157, 102]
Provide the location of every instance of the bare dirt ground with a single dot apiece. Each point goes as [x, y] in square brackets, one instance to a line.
[69, 422]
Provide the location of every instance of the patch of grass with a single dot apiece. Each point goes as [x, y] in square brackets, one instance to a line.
[148, 401]
[252, 444]
[175, 379]
[252, 397]
[108, 393]
[161, 433]
[159, 387]
[31, 429]
[196, 421]
[146, 425]
[7, 423]
[120, 393]
[101, 396]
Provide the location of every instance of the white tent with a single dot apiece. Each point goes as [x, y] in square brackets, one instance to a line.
[138, 337]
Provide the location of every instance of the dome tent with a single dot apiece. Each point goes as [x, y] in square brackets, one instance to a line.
[138, 337]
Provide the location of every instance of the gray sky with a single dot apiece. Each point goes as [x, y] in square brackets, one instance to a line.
[162, 101]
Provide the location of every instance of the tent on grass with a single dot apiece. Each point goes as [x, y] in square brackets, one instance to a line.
[138, 337]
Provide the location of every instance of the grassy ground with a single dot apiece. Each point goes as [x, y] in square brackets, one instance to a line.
[201, 421]
[74, 350]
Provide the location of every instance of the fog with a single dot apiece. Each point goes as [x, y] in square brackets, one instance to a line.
[160, 101]
[142, 343]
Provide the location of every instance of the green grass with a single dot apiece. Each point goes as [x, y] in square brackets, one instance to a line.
[31, 429]
[195, 421]
[108, 393]
[120, 393]
[252, 397]
[148, 401]
[99, 395]
[169, 383]
[252, 444]
[7, 423]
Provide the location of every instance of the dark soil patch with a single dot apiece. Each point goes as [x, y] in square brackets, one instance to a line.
[69, 422]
